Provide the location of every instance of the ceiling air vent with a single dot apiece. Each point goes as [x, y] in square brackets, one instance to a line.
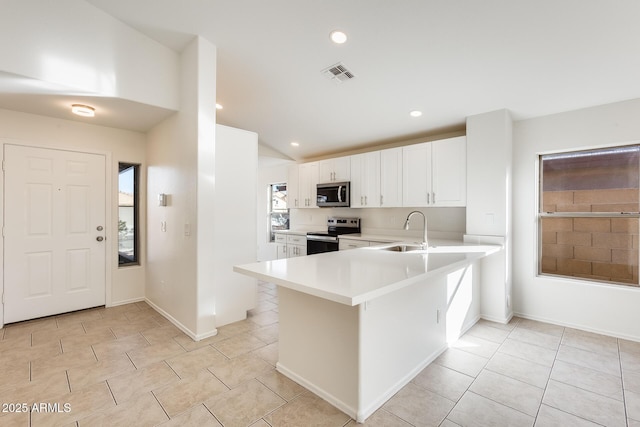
[338, 73]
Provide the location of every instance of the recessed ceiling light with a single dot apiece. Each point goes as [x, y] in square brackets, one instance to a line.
[218, 106]
[338, 37]
[295, 144]
[415, 113]
[83, 110]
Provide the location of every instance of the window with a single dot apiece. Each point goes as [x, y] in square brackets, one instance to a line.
[128, 214]
[278, 212]
[589, 213]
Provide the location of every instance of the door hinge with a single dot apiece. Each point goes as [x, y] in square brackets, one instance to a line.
[3, 166]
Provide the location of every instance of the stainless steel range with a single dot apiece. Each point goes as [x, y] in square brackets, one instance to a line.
[328, 242]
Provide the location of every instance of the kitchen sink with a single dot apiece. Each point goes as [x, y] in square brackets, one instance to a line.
[401, 248]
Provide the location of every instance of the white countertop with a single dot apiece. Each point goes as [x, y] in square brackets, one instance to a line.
[302, 231]
[358, 275]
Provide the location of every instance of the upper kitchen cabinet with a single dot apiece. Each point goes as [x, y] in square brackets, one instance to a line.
[307, 181]
[391, 177]
[365, 180]
[334, 170]
[293, 187]
[434, 173]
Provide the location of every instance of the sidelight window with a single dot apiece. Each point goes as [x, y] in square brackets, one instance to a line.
[128, 205]
[589, 213]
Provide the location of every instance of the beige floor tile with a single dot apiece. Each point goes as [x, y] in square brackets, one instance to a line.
[244, 404]
[238, 345]
[21, 354]
[145, 356]
[381, 418]
[198, 416]
[161, 333]
[443, 381]
[307, 410]
[268, 353]
[462, 361]
[15, 419]
[189, 344]
[630, 361]
[588, 359]
[478, 346]
[509, 392]
[142, 411]
[114, 313]
[14, 374]
[632, 401]
[81, 403]
[262, 306]
[632, 423]
[585, 404]
[551, 342]
[588, 379]
[191, 363]
[41, 390]
[631, 380]
[504, 326]
[591, 342]
[545, 328]
[74, 359]
[46, 336]
[530, 352]
[281, 385]
[21, 329]
[158, 375]
[265, 318]
[268, 334]
[629, 346]
[418, 406]
[78, 317]
[119, 346]
[520, 369]
[240, 369]
[552, 417]
[11, 344]
[105, 323]
[74, 342]
[477, 411]
[133, 327]
[260, 423]
[99, 371]
[237, 328]
[189, 392]
[487, 331]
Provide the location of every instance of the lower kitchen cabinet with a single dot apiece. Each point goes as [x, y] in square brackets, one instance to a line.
[290, 245]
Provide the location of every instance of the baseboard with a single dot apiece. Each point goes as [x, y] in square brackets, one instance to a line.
[124, 302]
[580, 327]
[361, 415]
[503, 320]
[177, 324]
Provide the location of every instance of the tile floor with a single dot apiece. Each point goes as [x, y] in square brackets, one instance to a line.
[129, 366]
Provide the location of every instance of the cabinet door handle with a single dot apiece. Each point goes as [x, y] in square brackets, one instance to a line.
[434, 198]
[365, 201]
[428, 198]
[361, 201]
[381, 200]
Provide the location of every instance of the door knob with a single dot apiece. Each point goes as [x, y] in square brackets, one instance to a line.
[99, 238]
[99, 228]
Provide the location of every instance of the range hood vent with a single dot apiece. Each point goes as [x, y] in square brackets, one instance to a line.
[338, 73]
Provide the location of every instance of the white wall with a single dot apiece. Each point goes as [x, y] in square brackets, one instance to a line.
[127, 283]
[602, 308]
[72, 43]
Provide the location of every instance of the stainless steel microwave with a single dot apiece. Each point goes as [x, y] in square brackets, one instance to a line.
[334, 194]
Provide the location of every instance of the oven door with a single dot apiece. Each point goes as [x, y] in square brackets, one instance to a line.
[318, 244]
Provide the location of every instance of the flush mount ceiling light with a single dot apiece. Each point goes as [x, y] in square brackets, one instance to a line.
[415, 113]
[295, 144]
[218, 106]
[338, 37]
[83, 110]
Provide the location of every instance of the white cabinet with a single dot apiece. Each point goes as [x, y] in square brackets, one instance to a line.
[290, 245]
[344, 244]
[296, 245]
[391, 177]
[293, 187]
[335, 170]
[307, 181]
[434, 173]
[365, 180]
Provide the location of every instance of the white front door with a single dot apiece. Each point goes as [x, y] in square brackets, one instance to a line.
[54, 230]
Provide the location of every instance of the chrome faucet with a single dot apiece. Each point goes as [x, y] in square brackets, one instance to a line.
[424, 243]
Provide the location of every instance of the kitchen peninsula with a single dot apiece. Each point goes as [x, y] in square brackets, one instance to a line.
[357, 325]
